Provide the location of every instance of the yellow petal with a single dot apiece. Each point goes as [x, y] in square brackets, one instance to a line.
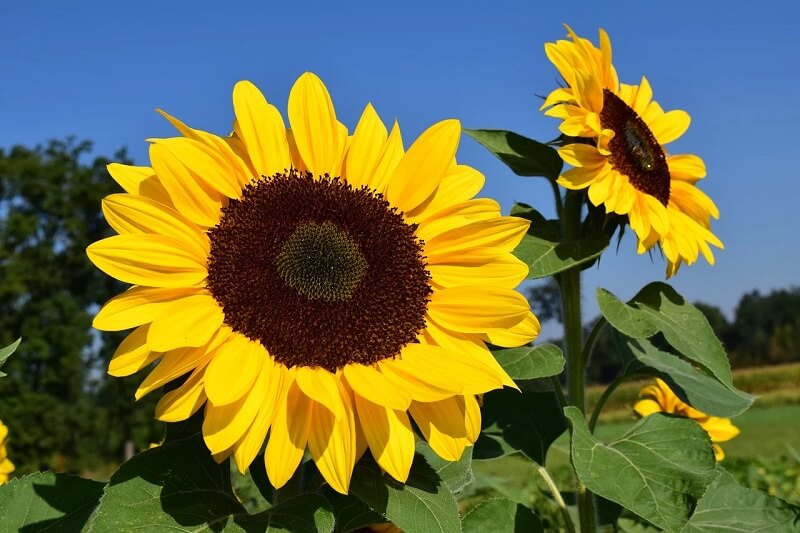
[366, 149]
[686, 167]
[647, 407]
[459, 184]
[250, 444]
[505, 271]
[173, 365]
[472, 418]
[581, 155]
[183, 402]
[332, 443]
[389, 436]
[443, 425]
[719, 455]
[192, 197]
[520, 334]
[477, 309]
[720, 429]
[503, 232]
[421, 388]
[129, 177]
[455, 216]
[260, 125]
[223, 425]
[132, 354]
[289, 434]
[151, 260]
[467, 346]
[234, 369]
[321, 386]
[422, 168]
[444, 367]
[393, 152]
[128, 213]
[368, 382]
[191, 321]
[203, 164]
[137, 306]
[314, 126]
[670, 126]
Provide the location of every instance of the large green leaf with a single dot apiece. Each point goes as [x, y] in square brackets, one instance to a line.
[727, 506]
[541, 361]
[455, 474]
[351, 513]
[525, 157]
[179, 487]
[527, 421]
[692, 385]
[501, 516]
[658, 470]
[659, 308]
[48, 501]
[545, 253]
[6, 352]
[423, 504]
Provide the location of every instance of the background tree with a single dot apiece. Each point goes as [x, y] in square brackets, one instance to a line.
[49, 212]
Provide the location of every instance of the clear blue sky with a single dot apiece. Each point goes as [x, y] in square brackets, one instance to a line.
[97, 70]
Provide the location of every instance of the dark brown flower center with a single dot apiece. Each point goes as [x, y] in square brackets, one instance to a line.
[321, 274]
[635, 152]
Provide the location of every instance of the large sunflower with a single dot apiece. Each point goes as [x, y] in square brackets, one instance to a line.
[317, 286]
[659, 398]
[625, 166]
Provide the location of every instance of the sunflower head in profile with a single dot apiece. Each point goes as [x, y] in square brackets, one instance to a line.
[659, 398]
[6, 466]
[313, 288]
[616, 145]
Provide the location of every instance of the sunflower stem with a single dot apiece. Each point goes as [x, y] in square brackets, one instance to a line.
[573, 337]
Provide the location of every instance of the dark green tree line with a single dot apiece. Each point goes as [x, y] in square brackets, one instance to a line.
[60, 408]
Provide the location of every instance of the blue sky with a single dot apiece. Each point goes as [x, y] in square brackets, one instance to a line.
[97, 70]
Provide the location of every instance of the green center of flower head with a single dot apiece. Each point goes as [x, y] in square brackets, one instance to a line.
[635, 152]
[321, 262]
[320, 273]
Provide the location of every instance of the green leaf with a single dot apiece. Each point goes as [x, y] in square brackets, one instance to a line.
[525, 157]
[423, 504]
[351, 513]
[501, 516]
[657, 470]
[690, 384]
[48, 501]
[726, 506]
[306, 513]
[455, 474]
[659, 307]
[176, 485]
[527, 421]
[6, 352]
[545, 253]
[541, 361]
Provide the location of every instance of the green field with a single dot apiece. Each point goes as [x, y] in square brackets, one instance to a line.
[766, 433]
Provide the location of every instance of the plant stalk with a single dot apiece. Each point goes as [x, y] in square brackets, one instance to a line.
[573, 337]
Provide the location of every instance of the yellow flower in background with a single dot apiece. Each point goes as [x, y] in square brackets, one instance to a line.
[659, 398]
[625, 167]
[318, 285]
[6, 466]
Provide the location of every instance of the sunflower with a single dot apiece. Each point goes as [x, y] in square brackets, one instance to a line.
[624, 164]
[659, 398]
[6, 466]
[320, 287]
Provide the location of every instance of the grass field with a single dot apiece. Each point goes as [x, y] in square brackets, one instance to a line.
[766, 433]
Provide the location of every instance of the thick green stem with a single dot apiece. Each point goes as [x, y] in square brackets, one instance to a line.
[573, 337]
